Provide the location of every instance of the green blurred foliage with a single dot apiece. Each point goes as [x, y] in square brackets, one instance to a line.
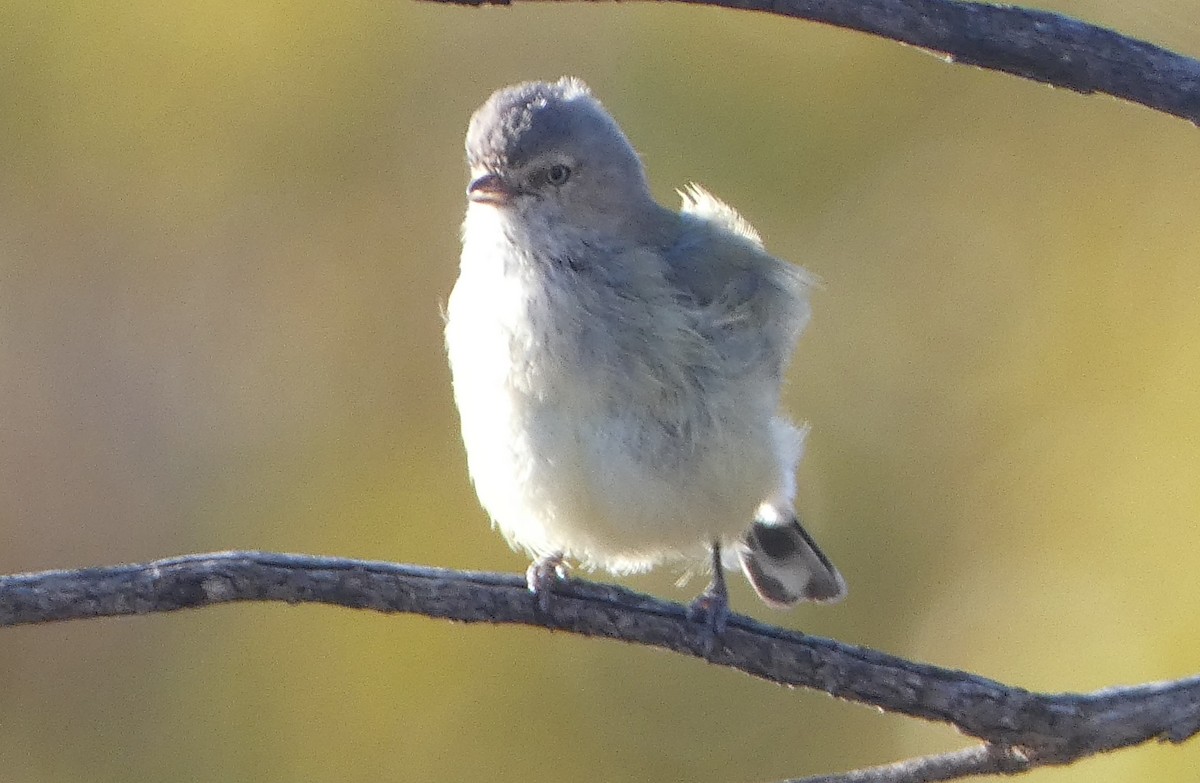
[225, 231]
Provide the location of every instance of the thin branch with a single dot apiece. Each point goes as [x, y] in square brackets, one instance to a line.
[1022, 728]
[1034, 44]
[975, 760]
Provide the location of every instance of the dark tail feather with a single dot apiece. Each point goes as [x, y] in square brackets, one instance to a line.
[786, 566]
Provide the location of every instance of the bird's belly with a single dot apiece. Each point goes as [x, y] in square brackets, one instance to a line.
[608, 487]
[574, 448]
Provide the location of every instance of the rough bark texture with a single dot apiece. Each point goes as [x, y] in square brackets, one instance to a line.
[1021, 729]
[1038, 45]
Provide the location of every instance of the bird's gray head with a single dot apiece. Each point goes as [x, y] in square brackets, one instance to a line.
[550, 150]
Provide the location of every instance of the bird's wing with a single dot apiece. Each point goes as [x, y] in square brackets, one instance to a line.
[752, 305]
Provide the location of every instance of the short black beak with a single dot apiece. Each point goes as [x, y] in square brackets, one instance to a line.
[491, 189]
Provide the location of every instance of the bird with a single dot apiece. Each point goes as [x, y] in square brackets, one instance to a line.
[617, 365]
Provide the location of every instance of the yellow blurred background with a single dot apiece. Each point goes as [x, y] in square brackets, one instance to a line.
[225, 232]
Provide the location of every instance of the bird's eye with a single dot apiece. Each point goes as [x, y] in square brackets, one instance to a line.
[558, 174]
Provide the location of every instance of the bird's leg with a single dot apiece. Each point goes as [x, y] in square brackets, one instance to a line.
[543, 574]
[712, 606]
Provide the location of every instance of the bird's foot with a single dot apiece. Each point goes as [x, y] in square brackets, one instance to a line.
[542, 576]
[710, 611]
[711, 608]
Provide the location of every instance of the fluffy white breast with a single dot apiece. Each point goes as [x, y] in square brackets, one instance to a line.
[590, 439]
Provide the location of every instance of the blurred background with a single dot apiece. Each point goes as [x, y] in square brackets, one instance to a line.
[226, 229]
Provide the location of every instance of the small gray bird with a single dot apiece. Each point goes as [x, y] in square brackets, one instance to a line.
[617, 365]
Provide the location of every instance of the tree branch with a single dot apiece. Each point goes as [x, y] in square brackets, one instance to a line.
[975, 760]
[1034, 44]
[1022, 729]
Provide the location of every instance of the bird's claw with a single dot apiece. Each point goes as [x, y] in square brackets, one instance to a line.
[710, 611]
[711, 608]
[542, 576]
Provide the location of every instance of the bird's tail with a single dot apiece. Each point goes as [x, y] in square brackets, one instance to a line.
[786, 566]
